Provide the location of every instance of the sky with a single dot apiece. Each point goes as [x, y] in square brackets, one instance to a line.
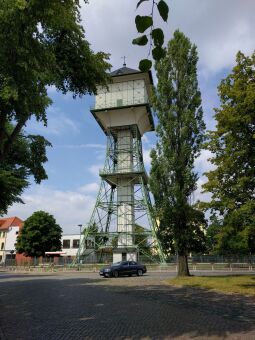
[219, 29]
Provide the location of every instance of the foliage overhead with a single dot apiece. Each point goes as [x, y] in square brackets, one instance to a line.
[26, 158]
[155, 36]
[39, 234]
[42, 44]
[180, 130]
[232, 143]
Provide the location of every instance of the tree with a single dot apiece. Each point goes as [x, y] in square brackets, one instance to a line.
[42, 44]
[26, 158]
[232, 143]
[212, 233]
[39, 234]
[180, 129]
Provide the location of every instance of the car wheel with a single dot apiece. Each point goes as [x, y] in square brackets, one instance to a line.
[115, 273]
[139, 272]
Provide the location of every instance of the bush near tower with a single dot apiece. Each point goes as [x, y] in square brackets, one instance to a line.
[40, 233]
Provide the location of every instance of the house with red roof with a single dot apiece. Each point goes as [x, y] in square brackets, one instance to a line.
[9, 230]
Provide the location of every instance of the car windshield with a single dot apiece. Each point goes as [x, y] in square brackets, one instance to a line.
[116, 264]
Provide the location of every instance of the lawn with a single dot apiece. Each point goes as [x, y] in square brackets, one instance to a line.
[243, 284]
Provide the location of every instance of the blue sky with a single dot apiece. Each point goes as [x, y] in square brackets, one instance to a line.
[218, 28]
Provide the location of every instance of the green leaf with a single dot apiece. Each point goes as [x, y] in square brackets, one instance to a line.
[158, 36]
[21, 4]
[143, 22]
[141, 41]
[158, 53]
[145, 65]
[139, 3]
[163, 9]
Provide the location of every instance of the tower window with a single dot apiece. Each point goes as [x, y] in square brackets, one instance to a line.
[119, 102]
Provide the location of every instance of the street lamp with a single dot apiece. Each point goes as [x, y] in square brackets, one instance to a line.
[80, 226]
[12, 258]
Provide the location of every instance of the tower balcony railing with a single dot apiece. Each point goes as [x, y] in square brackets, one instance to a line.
[114, 103]
[119, 170]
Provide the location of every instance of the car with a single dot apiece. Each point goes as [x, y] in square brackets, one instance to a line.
[123, 268]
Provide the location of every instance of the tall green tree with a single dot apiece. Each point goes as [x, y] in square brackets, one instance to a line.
[232, 143]
[39, 234]
[180, 132]
[42, 44]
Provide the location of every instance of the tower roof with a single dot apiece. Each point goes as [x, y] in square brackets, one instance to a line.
[123, 70]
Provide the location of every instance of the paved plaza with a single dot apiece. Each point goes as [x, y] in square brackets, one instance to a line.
[86, 306]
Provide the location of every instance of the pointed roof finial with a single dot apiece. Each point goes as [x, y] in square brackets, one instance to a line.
[124, 63]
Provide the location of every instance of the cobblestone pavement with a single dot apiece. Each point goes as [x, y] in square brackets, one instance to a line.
[70, 306]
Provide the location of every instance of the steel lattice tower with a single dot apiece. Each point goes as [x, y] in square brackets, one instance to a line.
[123, 201]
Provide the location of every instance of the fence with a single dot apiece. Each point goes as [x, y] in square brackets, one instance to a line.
[231, 263]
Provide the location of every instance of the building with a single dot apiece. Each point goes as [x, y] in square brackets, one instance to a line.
[70, 245]
[9, 230]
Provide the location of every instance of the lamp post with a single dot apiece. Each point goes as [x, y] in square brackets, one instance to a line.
[80, 226]
[12, 252]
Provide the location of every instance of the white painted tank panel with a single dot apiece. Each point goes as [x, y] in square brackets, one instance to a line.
[121, 94]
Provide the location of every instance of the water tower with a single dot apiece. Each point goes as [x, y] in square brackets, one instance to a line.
[123, 203]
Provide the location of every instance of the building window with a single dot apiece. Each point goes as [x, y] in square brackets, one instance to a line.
[76, 243]
[17, 232]
[2, 246]
[66, 244]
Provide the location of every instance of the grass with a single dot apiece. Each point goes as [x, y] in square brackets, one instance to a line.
[244, 284]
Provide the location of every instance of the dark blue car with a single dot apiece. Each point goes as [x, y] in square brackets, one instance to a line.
[123, 268]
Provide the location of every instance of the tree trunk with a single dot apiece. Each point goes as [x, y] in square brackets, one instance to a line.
[5, 146]
[183, 268]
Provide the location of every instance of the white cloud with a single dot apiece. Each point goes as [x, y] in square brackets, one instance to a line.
[145, 139]
[57, 123]
[202, 163]
[70, 208]
[198, 195]
[67, 123]
[147, 158]
[94, 169]
[219, 29]
[89, 188]
[83, 146]
[51, 89]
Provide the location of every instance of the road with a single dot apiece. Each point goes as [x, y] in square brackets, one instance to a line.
[85, 306]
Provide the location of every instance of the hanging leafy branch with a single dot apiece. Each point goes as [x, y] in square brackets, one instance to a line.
[155, 37]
